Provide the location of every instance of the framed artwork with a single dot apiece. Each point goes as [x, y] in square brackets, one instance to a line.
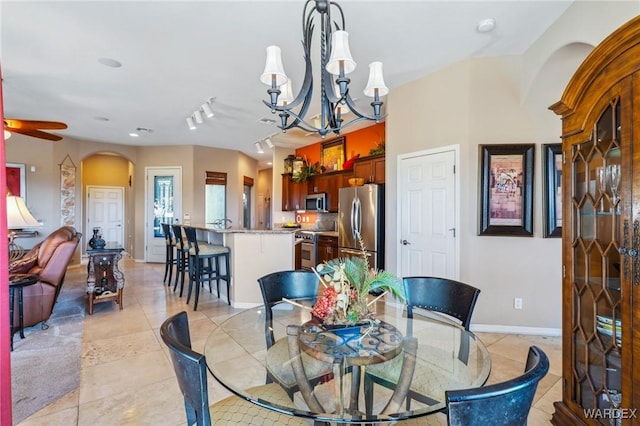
[16, 183]
[506, 190]
[552, 192]
[332, 155]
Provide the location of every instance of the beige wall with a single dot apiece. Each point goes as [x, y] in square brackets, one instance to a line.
[497, 101]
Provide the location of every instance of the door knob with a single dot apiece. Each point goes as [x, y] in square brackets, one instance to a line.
[405, 242]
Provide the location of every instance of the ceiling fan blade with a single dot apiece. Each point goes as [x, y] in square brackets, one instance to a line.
[37, 134]
[13, 123]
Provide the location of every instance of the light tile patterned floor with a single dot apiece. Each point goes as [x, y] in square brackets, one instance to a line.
[127, 377]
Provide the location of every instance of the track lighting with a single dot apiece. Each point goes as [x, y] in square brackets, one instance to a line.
[259, 148]
[198, 115]
[269, 142]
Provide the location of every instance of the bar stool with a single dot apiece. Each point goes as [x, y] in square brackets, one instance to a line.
[204, 266]
[169, 260]
[182, 257]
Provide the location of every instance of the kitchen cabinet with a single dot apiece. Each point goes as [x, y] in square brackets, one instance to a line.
[371, 168]
[329, 183]
[293, 193]
[326, 248]
[600, 239]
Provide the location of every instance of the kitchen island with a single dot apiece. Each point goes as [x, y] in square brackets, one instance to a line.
[254, 253]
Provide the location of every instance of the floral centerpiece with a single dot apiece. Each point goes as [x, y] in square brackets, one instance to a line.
[348, 282]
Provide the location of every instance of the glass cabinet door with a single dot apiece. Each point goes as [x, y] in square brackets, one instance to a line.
[596, 236]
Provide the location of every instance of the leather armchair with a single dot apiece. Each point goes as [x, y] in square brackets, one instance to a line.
[48, 259]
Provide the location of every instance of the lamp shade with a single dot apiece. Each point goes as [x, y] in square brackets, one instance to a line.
[376, 81]
[273, 67]
[7, 134]
[286, 97]
[340, 53]
[18, 215]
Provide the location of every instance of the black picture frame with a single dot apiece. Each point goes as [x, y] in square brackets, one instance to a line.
[506, 190]
[552, 190]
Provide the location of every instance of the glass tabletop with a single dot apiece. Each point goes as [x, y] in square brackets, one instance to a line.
[328, 372]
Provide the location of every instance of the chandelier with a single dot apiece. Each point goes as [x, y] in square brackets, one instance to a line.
[336, 62]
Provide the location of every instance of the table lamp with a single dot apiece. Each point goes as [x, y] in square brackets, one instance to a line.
[18, 217]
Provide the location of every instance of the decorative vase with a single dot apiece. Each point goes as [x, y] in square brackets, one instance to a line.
[96, 242]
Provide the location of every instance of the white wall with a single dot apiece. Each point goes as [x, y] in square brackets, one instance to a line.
[498, 101]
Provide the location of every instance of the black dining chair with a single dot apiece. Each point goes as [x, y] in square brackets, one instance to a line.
[191, 372]
[169, 258]
[298, 285]
[502, 404]
[204, 266]
[182, 257]
[454, 299]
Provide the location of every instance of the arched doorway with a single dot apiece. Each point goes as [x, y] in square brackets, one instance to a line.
[107, 191]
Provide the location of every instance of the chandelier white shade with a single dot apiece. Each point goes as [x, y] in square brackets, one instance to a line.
[18, 215]
[273, 69]
[340, 54]
[336, 62]
[376, 81]
[7, 134]
[286, 95]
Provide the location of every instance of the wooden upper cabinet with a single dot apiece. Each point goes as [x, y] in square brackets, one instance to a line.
[371, 169]
[330, 184]
[601, 234]
[293, 193]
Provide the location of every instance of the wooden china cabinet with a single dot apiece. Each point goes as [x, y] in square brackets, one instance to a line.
[601, 235]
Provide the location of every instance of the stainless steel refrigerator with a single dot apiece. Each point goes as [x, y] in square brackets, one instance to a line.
[361, 210]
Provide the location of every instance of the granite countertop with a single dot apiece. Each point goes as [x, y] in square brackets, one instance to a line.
[329, 233]
[233, 230]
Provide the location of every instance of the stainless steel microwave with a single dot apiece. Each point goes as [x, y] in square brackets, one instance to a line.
[316, 202]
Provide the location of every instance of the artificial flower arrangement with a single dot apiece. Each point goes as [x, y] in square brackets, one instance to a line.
[347, 282]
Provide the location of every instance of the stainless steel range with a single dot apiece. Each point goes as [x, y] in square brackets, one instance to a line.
[307, 241]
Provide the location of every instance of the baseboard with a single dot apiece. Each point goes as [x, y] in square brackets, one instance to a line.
[514, 329]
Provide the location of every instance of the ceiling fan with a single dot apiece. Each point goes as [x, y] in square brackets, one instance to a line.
[32, 128]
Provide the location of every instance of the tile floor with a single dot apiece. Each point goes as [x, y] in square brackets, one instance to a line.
[127, 378]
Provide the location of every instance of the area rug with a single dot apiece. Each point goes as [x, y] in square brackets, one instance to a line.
[45, 365]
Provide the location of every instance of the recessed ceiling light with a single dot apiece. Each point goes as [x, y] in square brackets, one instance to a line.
[486, 25]
[134, 134]
[269, 163]
[109, 62]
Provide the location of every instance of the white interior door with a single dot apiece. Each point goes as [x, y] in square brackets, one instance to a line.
[163, 205]
[428, 216]
[106, 210]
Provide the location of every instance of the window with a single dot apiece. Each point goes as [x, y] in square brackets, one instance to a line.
[215, 207]
[246, 202]
[162, 203]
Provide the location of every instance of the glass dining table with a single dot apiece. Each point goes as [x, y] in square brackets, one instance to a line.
[369, 372]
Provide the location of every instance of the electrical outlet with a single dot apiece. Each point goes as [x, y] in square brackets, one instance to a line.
[517, 303]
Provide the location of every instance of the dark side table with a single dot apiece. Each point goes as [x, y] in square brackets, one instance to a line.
[18, 282]
[105, 281]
